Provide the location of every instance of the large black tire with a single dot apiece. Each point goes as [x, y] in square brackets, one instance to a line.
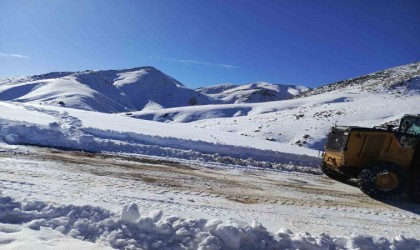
[413, 188]
[383, 180]
[333, 174]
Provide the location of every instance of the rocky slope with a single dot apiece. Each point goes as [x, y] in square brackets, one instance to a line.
[400, 78]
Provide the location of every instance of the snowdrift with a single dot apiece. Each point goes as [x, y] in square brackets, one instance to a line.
[132, 230]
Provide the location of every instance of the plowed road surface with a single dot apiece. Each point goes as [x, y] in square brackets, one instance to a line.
[298, 201]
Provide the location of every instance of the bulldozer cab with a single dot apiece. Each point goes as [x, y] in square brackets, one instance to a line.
[410, 125]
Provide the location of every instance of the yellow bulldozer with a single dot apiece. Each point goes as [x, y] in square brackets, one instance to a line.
[386, 162]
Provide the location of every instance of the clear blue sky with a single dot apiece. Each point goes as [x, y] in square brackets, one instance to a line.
[203, 42]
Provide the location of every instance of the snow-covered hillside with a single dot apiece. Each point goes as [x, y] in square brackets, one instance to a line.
[252, 92]
[104, 90]
[305, 121]
[382, 80]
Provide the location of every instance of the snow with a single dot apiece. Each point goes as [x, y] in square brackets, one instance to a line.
[143, 88]
[96, 132]
[130, 213]
[304, 121]
[172, 176]
[14, 237]
[195, 189]
[9, 111]
[252, 92]
[372, 83]
[107, 91]
[215, 89]
[132, 231]
[127, 78]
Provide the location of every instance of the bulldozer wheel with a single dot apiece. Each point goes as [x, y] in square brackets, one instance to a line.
[333, 174]
[413, 189]
[383, 180]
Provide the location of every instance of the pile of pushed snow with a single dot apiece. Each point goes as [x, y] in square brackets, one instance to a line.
[132, 230]
[99, 132]
[252, 92]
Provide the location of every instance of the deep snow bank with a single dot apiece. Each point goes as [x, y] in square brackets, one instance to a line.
[132, 230]
[96, 140]
[98, 132]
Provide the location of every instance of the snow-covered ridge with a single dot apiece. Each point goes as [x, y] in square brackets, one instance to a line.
[252, 92]
[216, 89]
[142, 88]
[155, 230]
[374, 82]
[103, 90]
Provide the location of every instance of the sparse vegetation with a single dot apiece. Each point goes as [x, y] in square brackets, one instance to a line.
[383, 80]
[193, 101]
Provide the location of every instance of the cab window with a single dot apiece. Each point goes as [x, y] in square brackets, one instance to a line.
[410, 125]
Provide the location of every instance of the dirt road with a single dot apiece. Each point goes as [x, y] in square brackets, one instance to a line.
[299, 201]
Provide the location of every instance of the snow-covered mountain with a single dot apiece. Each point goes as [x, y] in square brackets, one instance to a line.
[143, 88]
[252, 92]
[104, 90]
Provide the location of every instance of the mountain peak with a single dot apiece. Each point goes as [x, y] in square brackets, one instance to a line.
[146, 75]
[143, 67]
